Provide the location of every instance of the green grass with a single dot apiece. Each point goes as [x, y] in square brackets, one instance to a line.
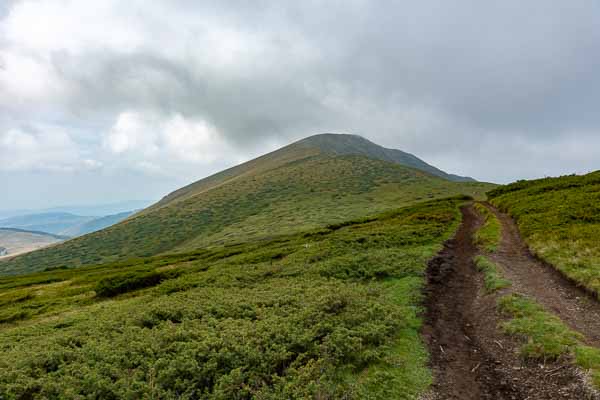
[588, 358]
[546, 337]
[325, 313]
[299, 195]
[489, 235]
[492, 278]
[560, 221]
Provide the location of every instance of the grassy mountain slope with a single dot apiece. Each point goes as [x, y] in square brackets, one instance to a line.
[560, 220]
[357, 145]
[318, 145]
[331, 313]
[301, 194]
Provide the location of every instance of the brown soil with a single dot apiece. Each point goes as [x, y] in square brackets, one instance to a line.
[531, 277]
[470, 356]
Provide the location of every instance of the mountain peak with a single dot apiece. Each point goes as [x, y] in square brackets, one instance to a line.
[346, 144]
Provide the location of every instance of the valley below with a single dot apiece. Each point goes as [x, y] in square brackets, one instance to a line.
[16, 241]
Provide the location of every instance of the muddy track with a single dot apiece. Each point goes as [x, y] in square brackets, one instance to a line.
[470, 357]
[531, 277]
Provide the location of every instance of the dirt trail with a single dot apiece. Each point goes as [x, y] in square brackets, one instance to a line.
[470, 357]
[550, 288]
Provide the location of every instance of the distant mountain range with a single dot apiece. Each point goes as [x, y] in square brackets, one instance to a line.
[96, 224]
[98, 210]
[50, 222]
[62, 223]
[25, 233]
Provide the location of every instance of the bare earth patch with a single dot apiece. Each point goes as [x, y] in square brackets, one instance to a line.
[470, 356]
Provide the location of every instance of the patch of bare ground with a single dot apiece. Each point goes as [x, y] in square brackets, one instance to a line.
[470, 357]
[552, 290]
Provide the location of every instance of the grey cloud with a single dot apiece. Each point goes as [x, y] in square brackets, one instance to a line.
[510, 66]
[474, 86]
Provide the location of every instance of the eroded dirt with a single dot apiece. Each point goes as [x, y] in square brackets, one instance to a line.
[531, 277]
[470, 356]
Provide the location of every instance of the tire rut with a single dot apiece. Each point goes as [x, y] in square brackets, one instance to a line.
[470, 357]
[536, 279]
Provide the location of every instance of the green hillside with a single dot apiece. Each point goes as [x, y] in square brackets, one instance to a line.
[327, 144]
[296, 188]
[331, 313]
[560, 220]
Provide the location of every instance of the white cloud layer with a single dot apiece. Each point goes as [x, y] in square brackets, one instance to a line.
[181, 89]
[41, 148]
[153, 143]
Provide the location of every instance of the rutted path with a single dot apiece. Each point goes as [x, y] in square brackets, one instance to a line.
[531, 277]
[470, 357]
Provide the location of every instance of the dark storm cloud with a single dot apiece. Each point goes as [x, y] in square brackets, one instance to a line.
[496, 90]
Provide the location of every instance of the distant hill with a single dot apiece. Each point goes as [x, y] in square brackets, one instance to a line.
[321, 180]
[51, 222]
[97, 210]
[62, 224]
[19, 241]
[96, 224]
[103, 210]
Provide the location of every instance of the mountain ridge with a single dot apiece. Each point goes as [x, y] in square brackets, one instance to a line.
[323, 143]
[356, 144]
[300, 186]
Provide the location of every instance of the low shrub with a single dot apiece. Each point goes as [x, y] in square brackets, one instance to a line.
[119, 284]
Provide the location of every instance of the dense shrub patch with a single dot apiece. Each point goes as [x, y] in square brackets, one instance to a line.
[331, 316]
[118, 284]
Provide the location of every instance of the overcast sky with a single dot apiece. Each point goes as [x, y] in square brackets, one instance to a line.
[107, 100]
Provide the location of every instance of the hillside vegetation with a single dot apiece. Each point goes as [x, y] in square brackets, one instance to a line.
[330, 313]
[280, 193]
[560, 220]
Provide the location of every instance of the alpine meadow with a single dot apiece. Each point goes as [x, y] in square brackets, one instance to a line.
[296, 275]
[299, 200]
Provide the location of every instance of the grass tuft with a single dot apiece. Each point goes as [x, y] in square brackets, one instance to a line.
[547, 337]
[489, 235]
[588, 358]
[492, 278]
